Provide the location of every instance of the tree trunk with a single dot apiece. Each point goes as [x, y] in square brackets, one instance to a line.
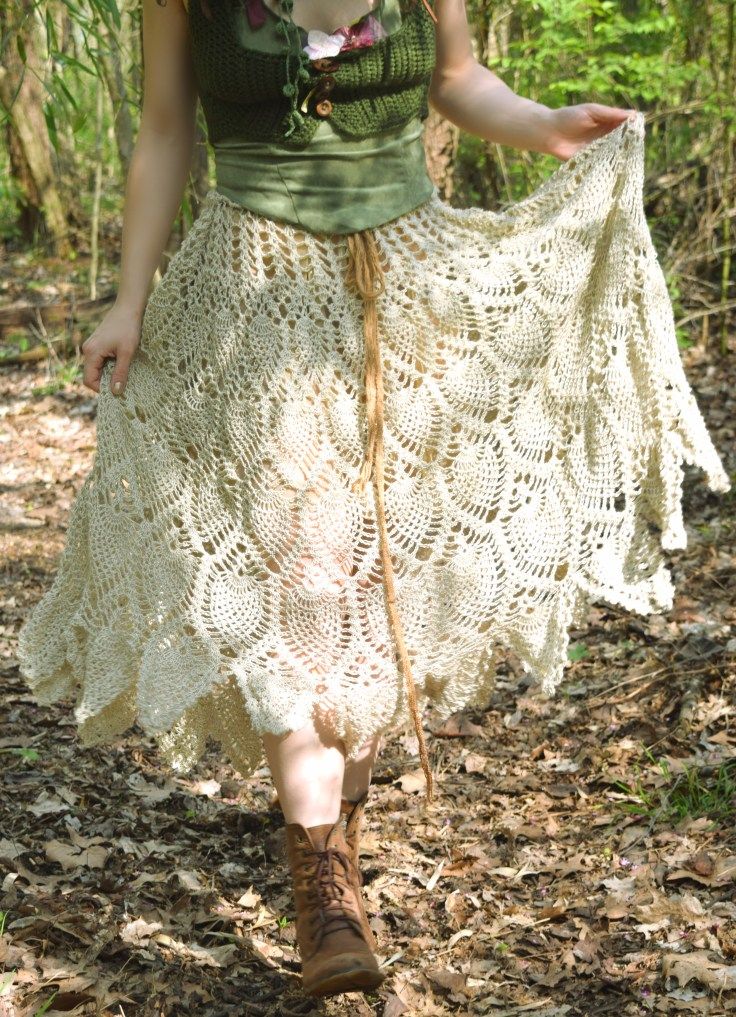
[22, 96]
[121, 102]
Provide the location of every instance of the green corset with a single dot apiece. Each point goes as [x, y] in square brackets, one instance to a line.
[336, 183]
[332, 186]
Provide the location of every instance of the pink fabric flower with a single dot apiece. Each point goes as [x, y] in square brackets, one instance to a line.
[320, 45]
[365, 33]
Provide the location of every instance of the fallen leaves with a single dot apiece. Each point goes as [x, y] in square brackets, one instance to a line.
[412, 781]
[475, 763]
[529, 890]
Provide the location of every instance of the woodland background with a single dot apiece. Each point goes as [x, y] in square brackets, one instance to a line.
[581, 859]
[70, 97]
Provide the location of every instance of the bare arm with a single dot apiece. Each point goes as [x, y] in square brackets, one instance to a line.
[156, 180]
[478, 101]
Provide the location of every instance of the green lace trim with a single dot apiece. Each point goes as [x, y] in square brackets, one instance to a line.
[292, 34]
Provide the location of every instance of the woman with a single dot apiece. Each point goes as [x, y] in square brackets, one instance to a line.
[356, 437]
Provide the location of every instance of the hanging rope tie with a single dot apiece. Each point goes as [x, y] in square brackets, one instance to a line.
[365, 274]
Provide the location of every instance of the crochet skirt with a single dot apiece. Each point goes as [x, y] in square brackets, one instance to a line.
[227, 559]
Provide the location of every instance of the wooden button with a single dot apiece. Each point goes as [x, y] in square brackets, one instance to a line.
[325, 64]
[323, 108]
[323, 88]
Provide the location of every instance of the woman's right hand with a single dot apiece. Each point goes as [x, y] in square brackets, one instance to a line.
[117, 336]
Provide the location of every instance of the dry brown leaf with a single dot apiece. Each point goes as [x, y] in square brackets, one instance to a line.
[139, 931]
[699, 965]
[204, 956]
[189, 880]
[412, 781]
[702, 863]
[250, 899]
[70, 856]
[148, 791]
[10, 850]
[447, 979]
[724, 871]
[395, 1006]
[727, 939]
[460, 867]
[208, 788]
[474, 763]
[46, 803]
[458, 725]
[552, 911]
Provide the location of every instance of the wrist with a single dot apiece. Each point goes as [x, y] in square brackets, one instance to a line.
[129, 308]
[547, 132]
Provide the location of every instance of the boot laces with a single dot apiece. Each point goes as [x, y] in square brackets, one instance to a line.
[333, 911]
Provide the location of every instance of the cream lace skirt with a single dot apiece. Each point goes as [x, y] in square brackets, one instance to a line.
[221, 576]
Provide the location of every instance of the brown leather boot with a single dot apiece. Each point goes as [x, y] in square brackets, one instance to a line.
[353, 812]
[330, 926]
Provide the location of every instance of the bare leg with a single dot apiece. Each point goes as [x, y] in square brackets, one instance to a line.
[358, 771]
[310, 773]
[307, 767]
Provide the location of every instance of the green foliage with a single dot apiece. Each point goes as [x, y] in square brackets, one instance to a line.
[672, 59]
[691, 793]
[10, 196]
[577, 652]
[64, 374]
[675, 292]
[44, 1006]
[27, 755]
[593, 50]
[15, 342]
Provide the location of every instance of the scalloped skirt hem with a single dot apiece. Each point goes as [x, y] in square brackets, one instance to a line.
[222, 575]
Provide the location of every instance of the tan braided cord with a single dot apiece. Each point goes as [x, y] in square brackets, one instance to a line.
[365, 274]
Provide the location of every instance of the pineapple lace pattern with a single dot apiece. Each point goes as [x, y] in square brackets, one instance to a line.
[222, 573]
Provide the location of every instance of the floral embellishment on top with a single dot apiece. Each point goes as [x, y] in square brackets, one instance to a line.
[364, 32]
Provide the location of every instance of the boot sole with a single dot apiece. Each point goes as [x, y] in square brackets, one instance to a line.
[349, 979]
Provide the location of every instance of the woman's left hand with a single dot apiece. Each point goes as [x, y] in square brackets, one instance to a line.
[574, 127]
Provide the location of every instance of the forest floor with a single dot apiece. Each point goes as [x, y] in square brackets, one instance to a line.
[580, 858]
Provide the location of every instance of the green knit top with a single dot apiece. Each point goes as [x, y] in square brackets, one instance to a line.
[334, 184]
[244, 89]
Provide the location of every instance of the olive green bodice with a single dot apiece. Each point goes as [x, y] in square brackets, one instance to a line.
[241, 80]
[363, 161]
